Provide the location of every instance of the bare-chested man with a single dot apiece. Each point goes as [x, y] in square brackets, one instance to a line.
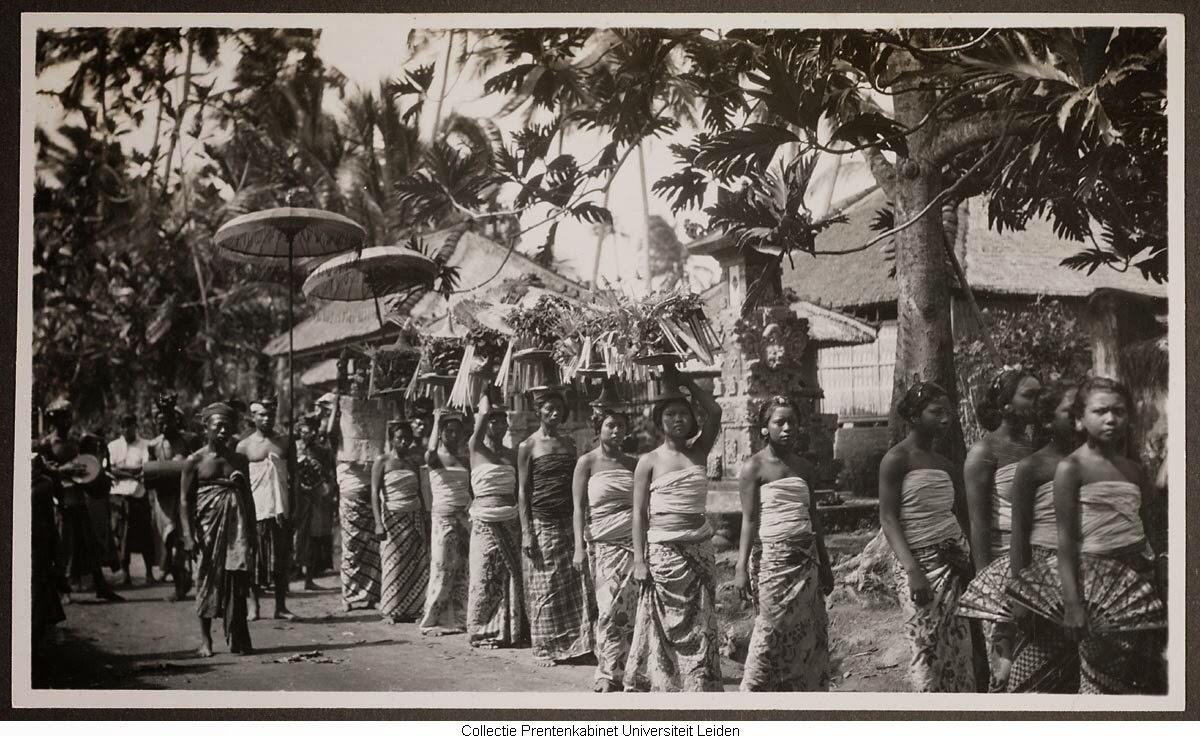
[220, 523]
[268, 457]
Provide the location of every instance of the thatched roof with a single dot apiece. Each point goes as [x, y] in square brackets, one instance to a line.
[481, 262]
[1024, 262]
[826, 327]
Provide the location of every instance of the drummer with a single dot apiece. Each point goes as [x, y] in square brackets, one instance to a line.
[60, 455]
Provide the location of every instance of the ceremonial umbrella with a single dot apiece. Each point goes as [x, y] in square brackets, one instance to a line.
[291, 233]
[371, 274]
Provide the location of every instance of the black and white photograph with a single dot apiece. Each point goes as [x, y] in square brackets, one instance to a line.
[561, 360]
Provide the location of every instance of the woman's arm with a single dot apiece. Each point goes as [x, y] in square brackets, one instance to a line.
[748, 492]
[524, 457]
[579, 484]
[475, 441]
[641, 513]
[711, 428]
[824, 566]
[978, 480]
[377, 470]
[431, 451]
[1066, 510]
[891, 478]
[1024, 489]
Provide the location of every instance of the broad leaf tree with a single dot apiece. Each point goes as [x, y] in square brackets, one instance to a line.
[1062, 123]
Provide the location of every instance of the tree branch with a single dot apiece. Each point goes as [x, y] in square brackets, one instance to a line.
[971, 131]
[940, 197]
[882, 170]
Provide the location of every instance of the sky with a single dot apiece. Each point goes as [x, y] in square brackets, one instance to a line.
[368, 50]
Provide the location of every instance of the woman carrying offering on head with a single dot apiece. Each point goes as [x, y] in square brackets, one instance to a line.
[675, 640]
[402, 524]
[603, 492]
[496, 596]
[555, 590]
[786, 563]
[922, 515]
[987, 475]
[450, 492]
[1044, 659]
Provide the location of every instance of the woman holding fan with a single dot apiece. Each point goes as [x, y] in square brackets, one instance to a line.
[987, 475]
[1102, 588]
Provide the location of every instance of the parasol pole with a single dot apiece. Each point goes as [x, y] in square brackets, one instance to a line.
[291, 355]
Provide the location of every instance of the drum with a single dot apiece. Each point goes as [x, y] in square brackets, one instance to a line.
[163, 476]
[87, 469]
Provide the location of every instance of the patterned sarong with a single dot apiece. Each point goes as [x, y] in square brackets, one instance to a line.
[556, 593]
[942, 654]
[360, 548]
[446, 599]
[675, 643]
[496, 598]
[789, 648]
[404, 550]
[616, 604]
[226, 552]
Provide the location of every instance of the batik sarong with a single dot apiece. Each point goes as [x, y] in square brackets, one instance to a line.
[223, 575]
[675, 644]
[609, 533]
[496, 598]
[446, 598]
[556, 593]
[360, 548]
[404, 550]
[789, 647]
[942, 653]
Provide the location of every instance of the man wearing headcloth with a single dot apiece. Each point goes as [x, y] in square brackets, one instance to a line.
[220, 524]
[81, 548]
[172, 444]
[356, 430]
[268, 458]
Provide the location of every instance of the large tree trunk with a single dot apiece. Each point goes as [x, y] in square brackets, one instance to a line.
[924, 343]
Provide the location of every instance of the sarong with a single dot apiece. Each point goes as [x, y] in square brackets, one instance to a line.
[675, 644]
[309, 506]
[360, 549]
[100, 518]
[274, 554]
[556, 593]
[496, 598]
[789, 647]
[942, 656]
[132, 526]
[1044, 659]
[223, 575]
[446, 599]
[404, 550]
[616, 604]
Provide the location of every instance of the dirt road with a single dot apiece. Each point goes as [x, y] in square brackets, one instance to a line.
[148, 643]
